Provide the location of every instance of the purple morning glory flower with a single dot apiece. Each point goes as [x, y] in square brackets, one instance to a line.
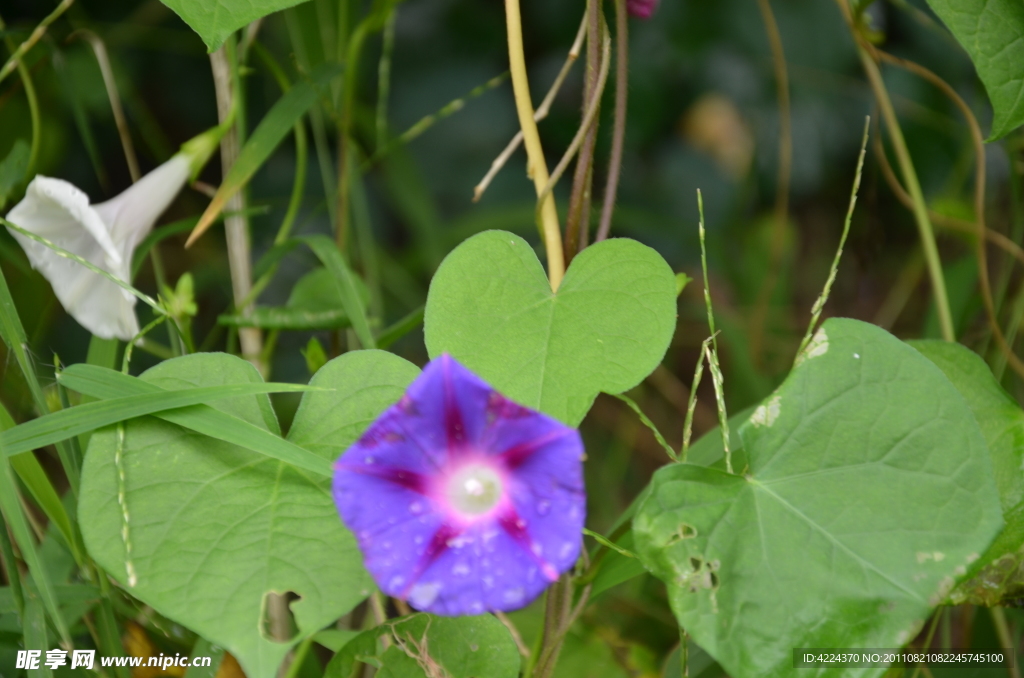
[463, 501]
[641, 9]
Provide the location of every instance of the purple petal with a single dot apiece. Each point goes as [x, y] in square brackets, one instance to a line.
[463, 501]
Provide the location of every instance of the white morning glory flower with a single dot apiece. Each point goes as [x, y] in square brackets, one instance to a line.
[105, 234]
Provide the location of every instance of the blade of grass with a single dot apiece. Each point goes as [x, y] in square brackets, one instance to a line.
[10, 506]
[278, 122]
[35, 635]
[691, 404]
[649, 424]
[365, 242]
[38, 483]
[71, 94]
[68, 423]
[101, 383]
[401, 328]
[711, 351]
[72, 455]
[13, 334]
[11, 570]
[39, 486]
[108, 630]
[428, 121]
[204, 648]
[155, 236]
[608, 543]
[819, 305]
[325, 249]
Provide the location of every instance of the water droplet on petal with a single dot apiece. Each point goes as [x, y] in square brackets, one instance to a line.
[416, 508]
[422, 595]
[513, 596]
[537, 548]
[368, 460]
[460, 570]
[543, 508]
[396, 582]
[566, 549]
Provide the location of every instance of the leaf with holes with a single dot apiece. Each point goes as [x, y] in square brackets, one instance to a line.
[992, 32]
[999, 573]
[608, 326]
[869, 491]
[202, 529]
[425, 646]
[215, 20]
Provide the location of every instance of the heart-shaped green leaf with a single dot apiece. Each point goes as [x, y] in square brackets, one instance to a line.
[869, 491]
[202, 529]
[215, 20]
[992, 32]
[607, 327]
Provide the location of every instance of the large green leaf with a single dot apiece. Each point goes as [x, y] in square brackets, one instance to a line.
[215, 20]
[425, 646]
[203, 530]
[869, 490]
[1000, 418]
[607, 327]
[992, 32]
[999, 573]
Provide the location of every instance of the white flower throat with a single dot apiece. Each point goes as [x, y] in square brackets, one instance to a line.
[474, 489]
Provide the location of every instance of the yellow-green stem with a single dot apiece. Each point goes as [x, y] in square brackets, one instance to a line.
[537, 168]
[920, 209]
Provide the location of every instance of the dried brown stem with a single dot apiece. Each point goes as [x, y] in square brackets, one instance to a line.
[236, 226]
[583, 180]
[611, 187]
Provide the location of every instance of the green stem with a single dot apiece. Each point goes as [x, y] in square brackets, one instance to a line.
[1005, 638]
[30, 95]
[33, 39]
[355, 47]
[910, 180]
[300, 655]
[384, 80]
